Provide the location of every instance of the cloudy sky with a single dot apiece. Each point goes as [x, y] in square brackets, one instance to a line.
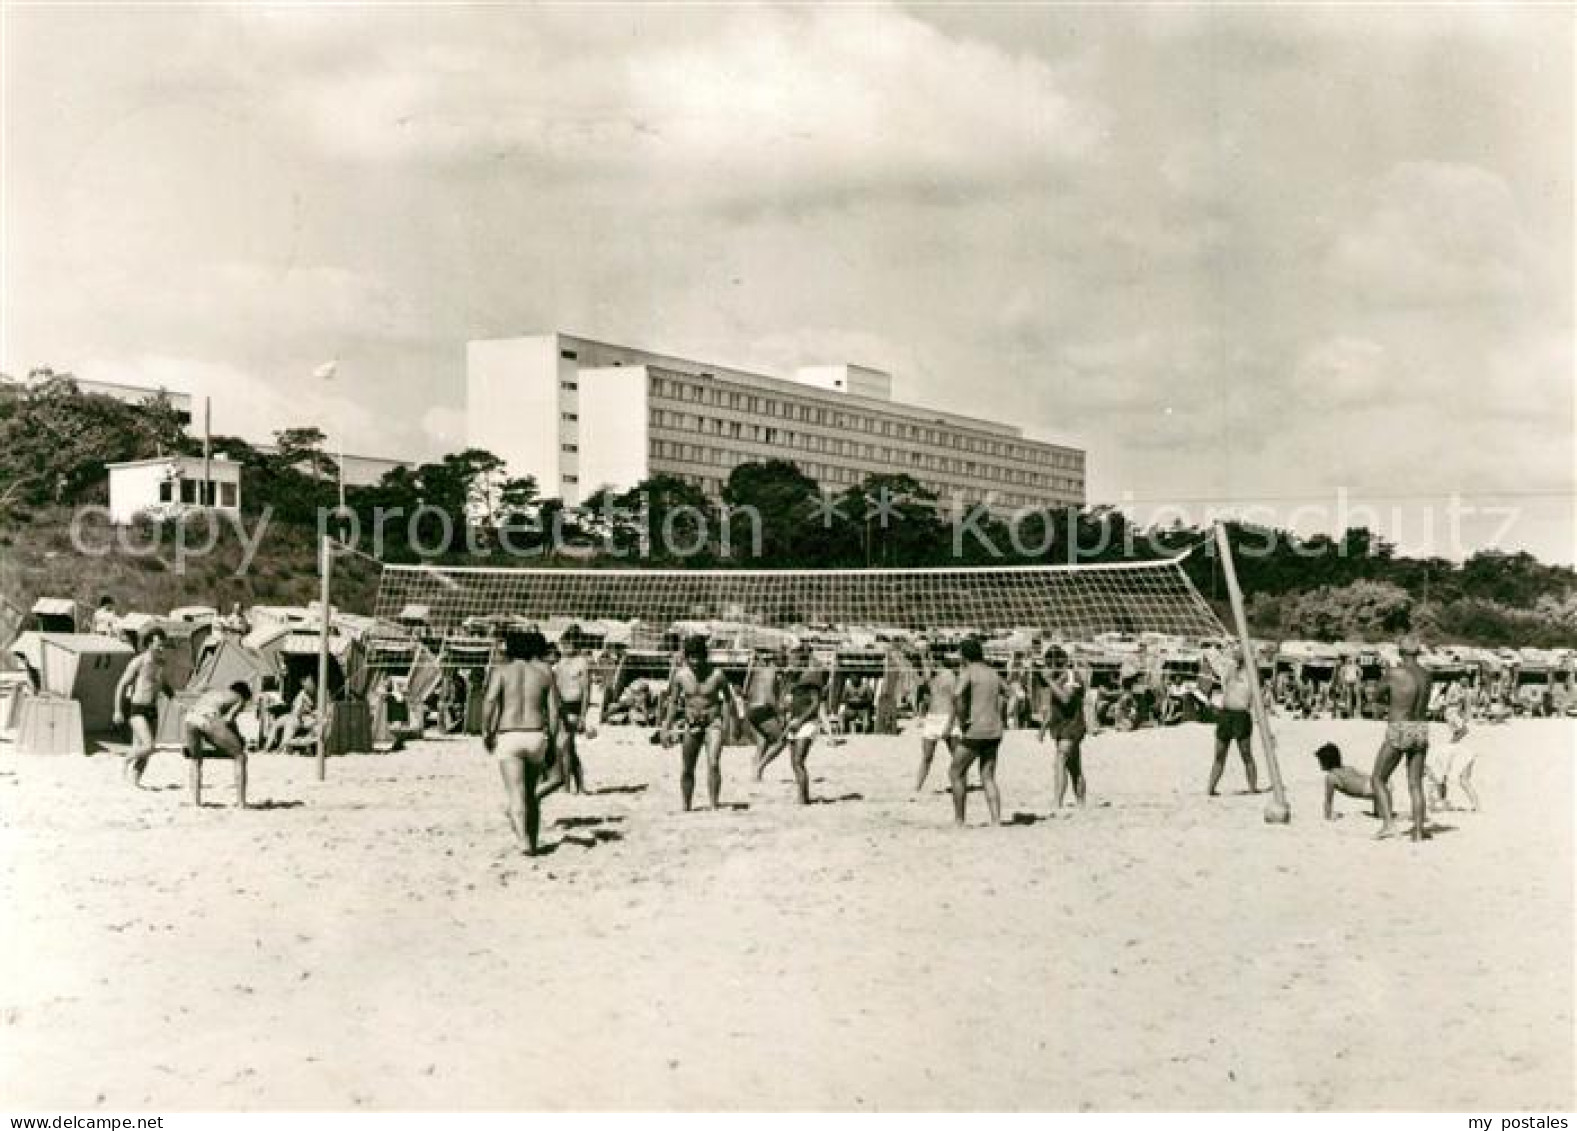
[1248, 257]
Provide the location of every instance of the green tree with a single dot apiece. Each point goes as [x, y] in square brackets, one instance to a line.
[671, 514]
[56, 440]
[889, 520]
[794, 529]
[1364, 610]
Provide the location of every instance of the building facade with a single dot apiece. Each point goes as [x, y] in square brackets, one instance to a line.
[359, 471]
[579, 415]
[167, 486]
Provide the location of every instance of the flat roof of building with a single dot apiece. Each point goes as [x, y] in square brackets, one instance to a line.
[151, 390]
[185, 461]
[693, 368]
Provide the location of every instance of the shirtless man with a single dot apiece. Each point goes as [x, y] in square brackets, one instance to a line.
[520, 717]
[940, 687]
[707, 695]
[1406, 736]
[1065, 724]
[571, 675]
[140, 686]
[978, 702]
[807, 717]
[1235, 724]
[212, 719]
[762, 693]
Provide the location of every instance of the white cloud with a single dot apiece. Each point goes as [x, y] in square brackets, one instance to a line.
[1435, 234]
[1343, 372]
[764, 104]
[1205, 242]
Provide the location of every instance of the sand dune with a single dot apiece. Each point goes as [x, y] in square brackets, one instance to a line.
[372, 942]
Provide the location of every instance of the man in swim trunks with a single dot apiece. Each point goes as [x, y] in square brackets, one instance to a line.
[941, 685]
[212, 719]
[141, 684]
[572, 677]
[762, 693]
[1065, 724]
[807, 716]
[978, 702]
[520, 718]
[1234, 724]
[1406, 736]
[707, 695]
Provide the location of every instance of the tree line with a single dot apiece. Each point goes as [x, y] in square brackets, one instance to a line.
[55, 441]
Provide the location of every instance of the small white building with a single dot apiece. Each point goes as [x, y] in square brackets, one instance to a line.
[167, 486]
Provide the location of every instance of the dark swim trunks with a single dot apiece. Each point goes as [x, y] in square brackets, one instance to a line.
[983, 748]
[763, 713]
[149, 711]
[1234, 725]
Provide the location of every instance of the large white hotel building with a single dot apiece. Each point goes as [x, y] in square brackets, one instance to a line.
[578, 414]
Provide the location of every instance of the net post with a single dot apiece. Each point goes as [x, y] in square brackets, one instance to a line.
[326, 569]
[1277, 811]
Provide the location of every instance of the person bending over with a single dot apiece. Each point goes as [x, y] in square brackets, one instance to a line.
[1343, 779]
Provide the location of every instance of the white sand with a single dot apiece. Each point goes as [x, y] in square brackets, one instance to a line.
[370, 942]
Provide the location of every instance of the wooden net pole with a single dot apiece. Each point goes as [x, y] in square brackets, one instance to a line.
[1277, 811]
[326, 567]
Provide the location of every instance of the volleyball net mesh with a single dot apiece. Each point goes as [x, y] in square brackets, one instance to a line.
[1069, 602]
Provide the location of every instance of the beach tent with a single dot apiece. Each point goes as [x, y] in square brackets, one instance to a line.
[55, 614]
[230, 661]
[78, 666]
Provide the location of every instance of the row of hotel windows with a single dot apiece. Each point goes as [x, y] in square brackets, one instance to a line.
[847, 476]
[872, 454]
[713, 485]
[705, 393]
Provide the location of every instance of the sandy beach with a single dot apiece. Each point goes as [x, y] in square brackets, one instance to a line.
[373, 942]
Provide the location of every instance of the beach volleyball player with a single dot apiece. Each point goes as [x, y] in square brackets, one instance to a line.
[1406, 736]
[137, 700]
[520, 718]
[934, 727]
[706, 695]
[1234, 724]
[977, 709]
[572, 676]
[762, 693]
[1065, 726]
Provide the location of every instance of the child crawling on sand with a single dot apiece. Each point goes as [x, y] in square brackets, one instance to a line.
[1343, 779]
